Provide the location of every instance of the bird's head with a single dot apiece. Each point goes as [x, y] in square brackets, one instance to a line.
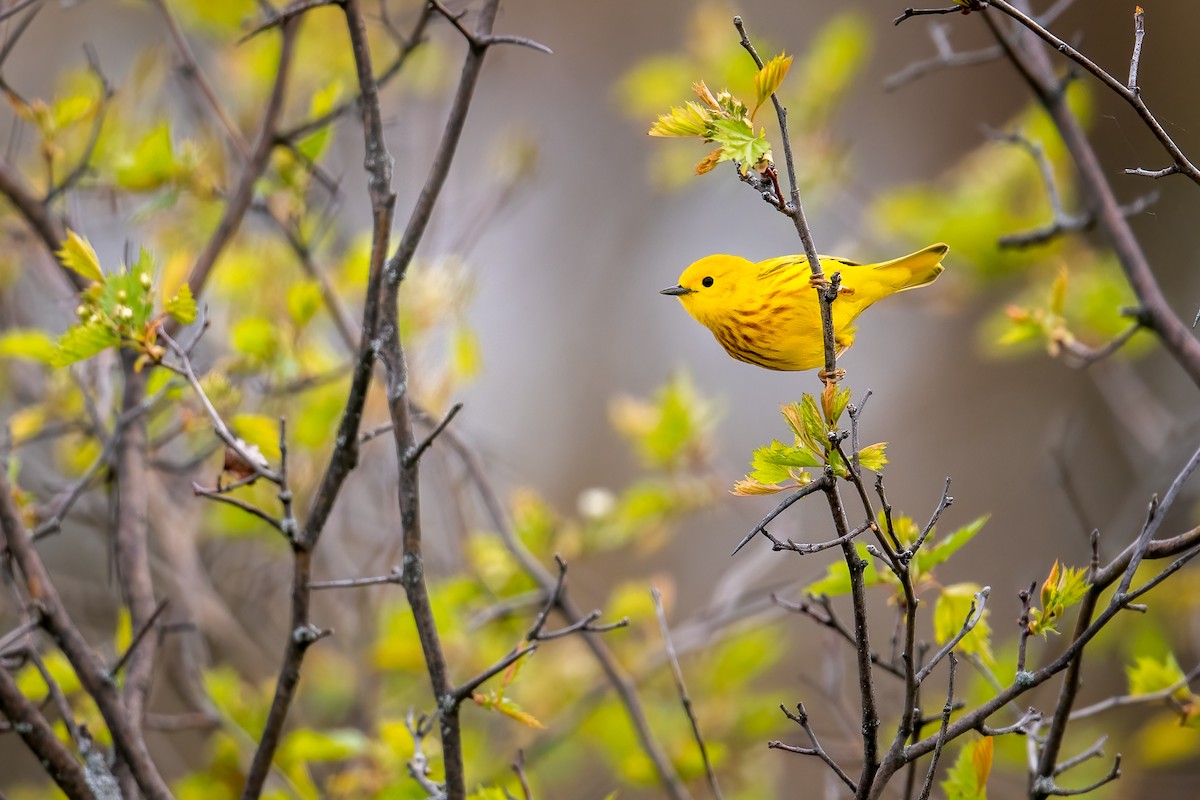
[708, 287]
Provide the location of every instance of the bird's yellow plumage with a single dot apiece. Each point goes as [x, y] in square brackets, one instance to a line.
[768, 313]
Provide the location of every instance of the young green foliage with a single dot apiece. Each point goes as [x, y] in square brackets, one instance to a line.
[117, 308]
[726, 121]
[776, 467]
[1063, 588]
[955, 605]
[967, 779]
[1149, 675]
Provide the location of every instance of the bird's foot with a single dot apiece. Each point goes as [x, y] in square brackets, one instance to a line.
[818, 283]
[831, 377]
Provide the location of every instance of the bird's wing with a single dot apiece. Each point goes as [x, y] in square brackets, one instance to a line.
[773, 265]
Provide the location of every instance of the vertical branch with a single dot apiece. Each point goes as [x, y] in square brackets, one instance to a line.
[391, 352]
[862, 646]
[794, 209]
[257, 162]
[681, 688]
[133, 548]
[59, 763]
[344, 457]
[93, 675]
[1034, 66]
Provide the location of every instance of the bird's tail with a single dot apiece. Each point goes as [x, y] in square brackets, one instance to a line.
[916, 269]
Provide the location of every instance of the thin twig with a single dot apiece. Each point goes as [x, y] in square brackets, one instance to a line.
[395, 576]
[681, 688]
[801, 719]
[974, 615]
[942, 736]
[761, 527]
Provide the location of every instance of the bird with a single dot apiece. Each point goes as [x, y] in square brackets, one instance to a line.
[768, 313]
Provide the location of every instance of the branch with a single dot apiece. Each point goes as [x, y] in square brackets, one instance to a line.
[830, 620]
[942, 736]
[615, 674]
[1130, 94]
[826, 292]
[677, 674]
[803, 491]
[93, 675]
[57, 761]
[395, 576]
[1034, 66]
[801, 719]
[1061, 222]
[1136, 699]
[256, 163]
[973, 616]
[345, 452]
[132, 552]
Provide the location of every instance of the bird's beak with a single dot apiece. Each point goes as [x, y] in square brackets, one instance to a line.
[676, 290]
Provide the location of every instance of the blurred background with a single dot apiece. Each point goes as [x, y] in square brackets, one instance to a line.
[560, 222]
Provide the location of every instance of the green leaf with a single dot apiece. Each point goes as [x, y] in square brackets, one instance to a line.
[837, 577]
[967, 779]
[774, 463]
[81, 342]
[313, 146]
[929, 557]
[804, 418]
[873, 456]
[1058, 293]
[256, 337]
[303, 301]
[833, 403]
[689, 120]
[307, 745]
[77, 253]
[27, 343]
[259, 430]
[70, 110]
[1148, 675]
[495, 701]
[183, 306]
[465, 358]
[739, 142]
[768, 79]
[150, 164]
[954, 605]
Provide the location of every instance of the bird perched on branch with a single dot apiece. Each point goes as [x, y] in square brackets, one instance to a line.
[769, 314]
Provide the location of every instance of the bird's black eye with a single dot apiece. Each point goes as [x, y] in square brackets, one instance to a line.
[707, 282]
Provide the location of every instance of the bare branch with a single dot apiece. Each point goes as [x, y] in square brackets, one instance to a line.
[943, 733]
[973, 616]
[801, 719]
[803, 491]
[681, 689]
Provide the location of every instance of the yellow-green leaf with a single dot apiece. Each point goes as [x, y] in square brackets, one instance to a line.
[183, 306]
[1058, 293]
[150, 164]
[77, 253]
[465, 358]
[967, 779]
[259, 430]
[768, 79]
[954, 605]
[1148, 675]
[689, 120]
[27, 343]
[303, 301]
[873, 456]
[81, 342]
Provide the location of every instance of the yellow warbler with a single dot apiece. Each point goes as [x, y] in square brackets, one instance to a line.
[768, 313]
